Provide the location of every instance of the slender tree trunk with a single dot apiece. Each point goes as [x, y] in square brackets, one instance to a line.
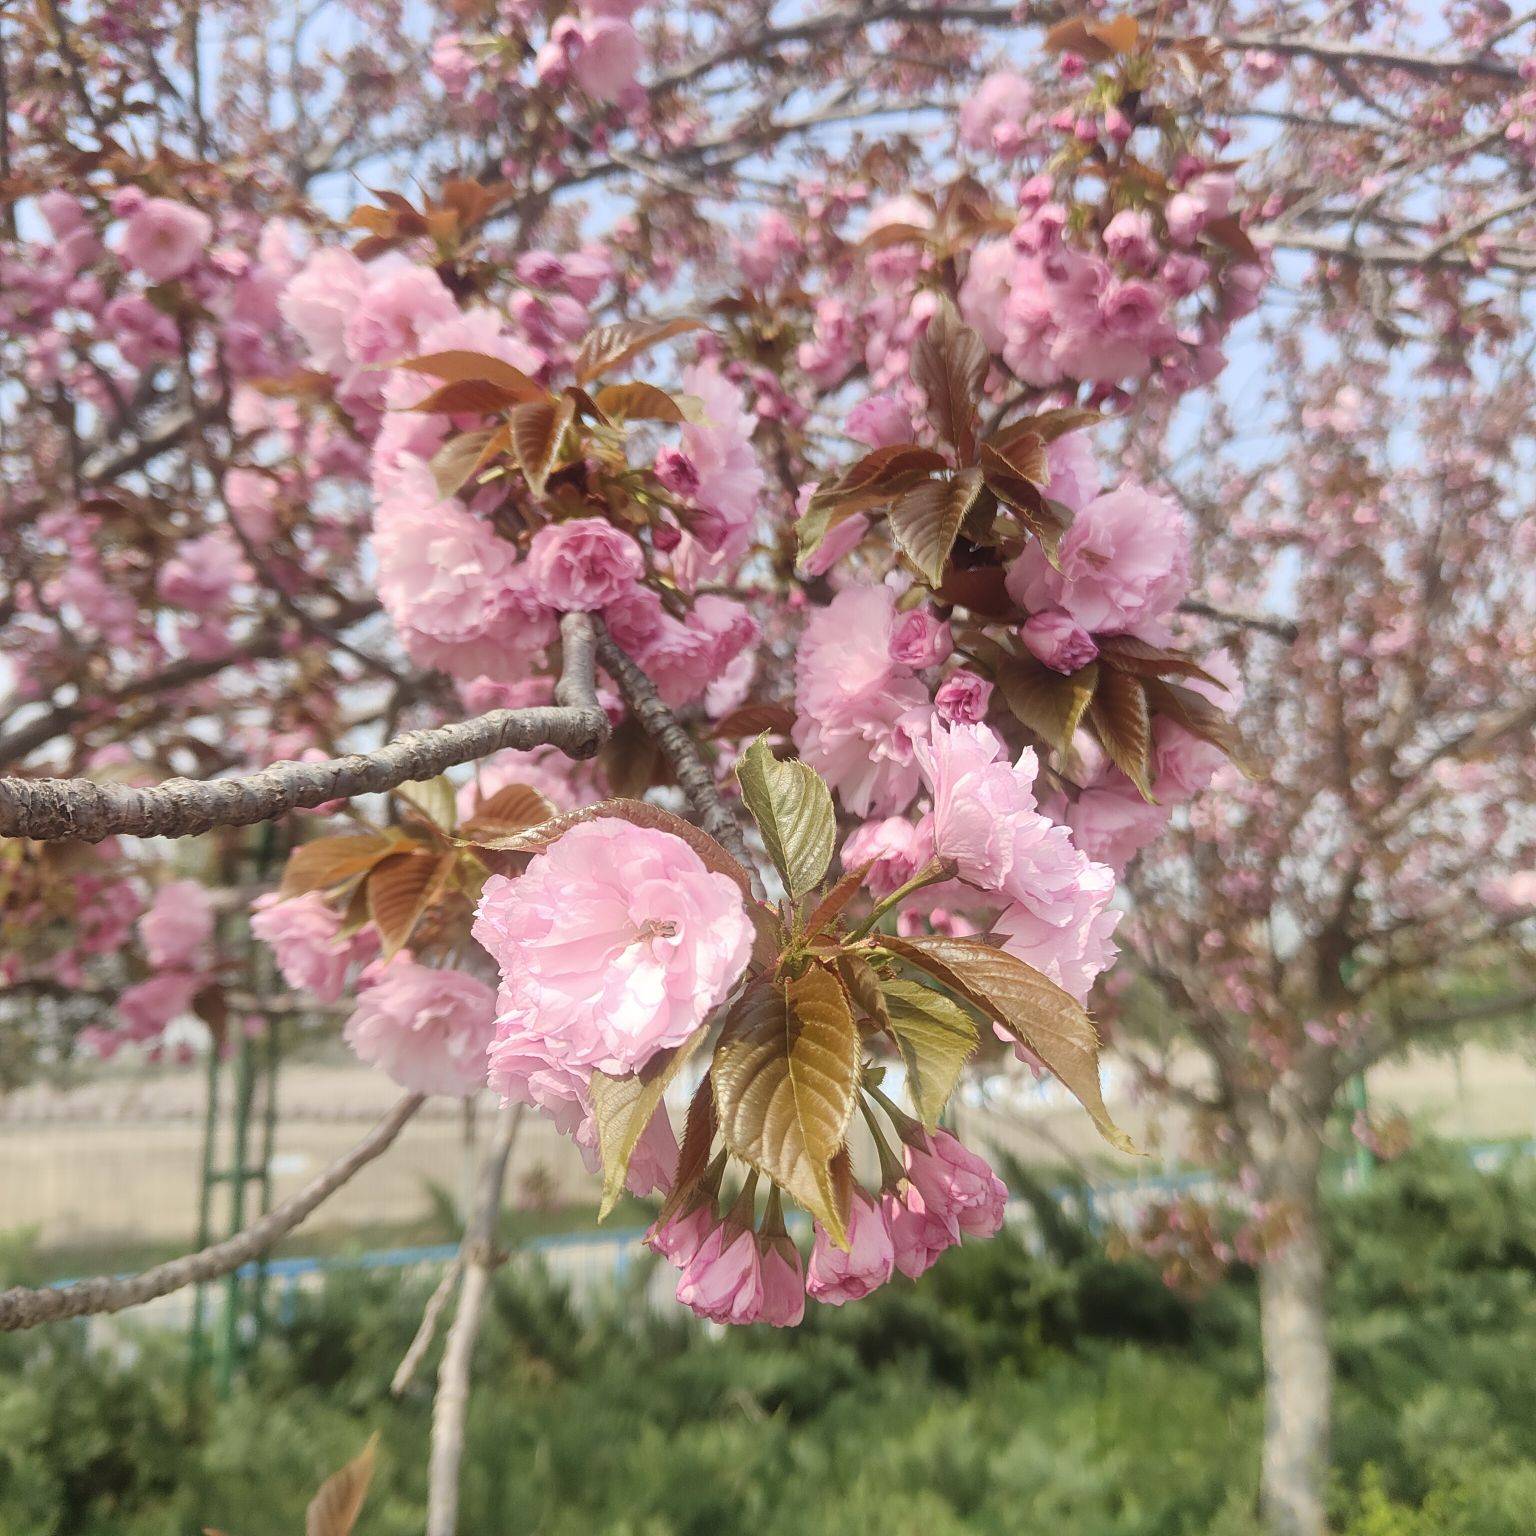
[1298, 1368]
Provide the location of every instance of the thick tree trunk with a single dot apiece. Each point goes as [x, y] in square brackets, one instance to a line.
[1298, 1368]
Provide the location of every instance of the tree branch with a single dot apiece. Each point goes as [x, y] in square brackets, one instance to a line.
[1281, 629]
[23, 1308]
[479, 1257]
[85, 810]
[677, 745]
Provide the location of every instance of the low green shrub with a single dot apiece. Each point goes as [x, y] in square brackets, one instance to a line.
[1022, 1387]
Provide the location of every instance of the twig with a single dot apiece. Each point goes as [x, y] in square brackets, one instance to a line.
[678, 746]
[1281, 629]
[430, 1318]
[85, 810]
[479, 1257]
[23, 1308]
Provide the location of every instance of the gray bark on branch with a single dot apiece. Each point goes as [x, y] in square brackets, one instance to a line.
[24, 1308]
[694, 776]
[87, 811]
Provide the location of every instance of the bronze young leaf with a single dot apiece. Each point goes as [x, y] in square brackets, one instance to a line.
[786, 1077]
[1033, 1009]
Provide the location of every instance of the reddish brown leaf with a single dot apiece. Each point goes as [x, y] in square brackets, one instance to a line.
[754, 720]
[1119, 717]
[926, 520]
[638, 401]
[400, 889]
[1049, 703]
[512, 808]
[538, 429]
[610, 345]
[949, 365]
[328, 861]
[476, 367]
[477, 397]
[1132, 655]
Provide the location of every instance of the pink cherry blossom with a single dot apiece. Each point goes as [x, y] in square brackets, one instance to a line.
[955, 1184]
[428, 1029]
[583, 565]
[918, 1234]
[723, 1281]
[894, 848]
[1123, 564]
[613, 945]
[783, 1283]
[880, 421]
[1056, 640]
[609, 58]
[834, 1276]
[919, 639]
[163, 239]
[681, 1236]
[178, 925]
[304, 935]
[148, 1006]
[1003, 100]
[962, 698]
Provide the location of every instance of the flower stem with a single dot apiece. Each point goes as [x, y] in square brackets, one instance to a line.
[930, 874]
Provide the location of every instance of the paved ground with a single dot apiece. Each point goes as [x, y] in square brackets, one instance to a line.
[118, 1159]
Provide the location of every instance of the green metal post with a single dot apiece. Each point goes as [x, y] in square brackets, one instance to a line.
[198, 1351]
[238, 1175]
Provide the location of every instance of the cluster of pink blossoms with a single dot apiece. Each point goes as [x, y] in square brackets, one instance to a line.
[894, 719]
[465, 598]
[733, 1273]
[595, 54]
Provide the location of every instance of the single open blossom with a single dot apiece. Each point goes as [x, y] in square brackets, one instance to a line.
[985, 820]
[955, 1183]
[834, 1276]
[1072, 943]
[149, 1005]
[723, 1281]
[613, 945]
[163, 239]
[880, 421]
[582, 565]
[918, 1234]
[177, 926]
[858, 710]
[428, 1029]
[1003, 100]
[1123, 563]
[894, 848]
[920, 639]
[609, 58]
[304, 935]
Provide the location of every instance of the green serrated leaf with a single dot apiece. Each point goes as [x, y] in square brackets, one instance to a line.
[1032, 1008]
[793, 811]
[935, 1036]
[786, 1076]
[622, 1108]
